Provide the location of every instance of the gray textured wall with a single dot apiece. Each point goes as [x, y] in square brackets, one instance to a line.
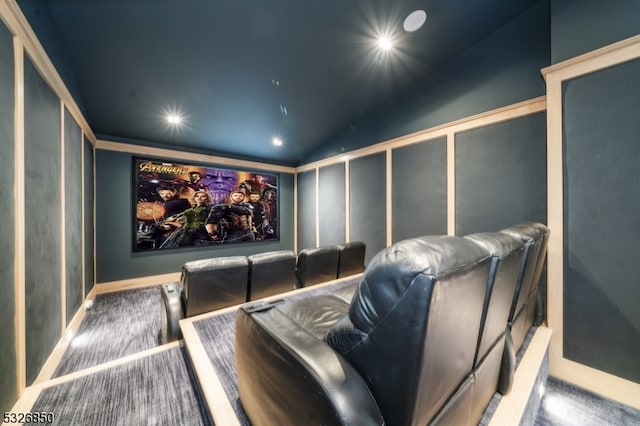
[501, 175]
[73, 215]
[306, 209]
[580, 26]
[43, 238]
[331, 204]
[367, 205]
[602, 220]
[419, 189]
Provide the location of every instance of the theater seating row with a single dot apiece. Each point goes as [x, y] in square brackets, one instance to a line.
[428, 337]
[210, 284]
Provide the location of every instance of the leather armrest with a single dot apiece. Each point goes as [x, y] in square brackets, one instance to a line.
[287, 376]
[172, 312]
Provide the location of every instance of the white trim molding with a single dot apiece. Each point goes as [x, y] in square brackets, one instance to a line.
[602, 383]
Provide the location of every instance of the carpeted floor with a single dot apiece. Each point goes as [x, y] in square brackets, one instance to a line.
[159, 389]
[217, 337]
[567, 405]
[119, 324]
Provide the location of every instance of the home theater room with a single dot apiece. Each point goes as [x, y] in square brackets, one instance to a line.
[342, 212]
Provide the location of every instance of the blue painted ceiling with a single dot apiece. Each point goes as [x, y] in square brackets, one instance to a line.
[243, 71]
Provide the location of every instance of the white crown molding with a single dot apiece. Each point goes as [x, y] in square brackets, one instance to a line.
[17, 23]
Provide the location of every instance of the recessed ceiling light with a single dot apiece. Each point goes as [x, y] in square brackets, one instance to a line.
[384, 43]
[415, 20]
[174, 119]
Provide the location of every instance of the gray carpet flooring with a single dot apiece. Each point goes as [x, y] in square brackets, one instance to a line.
[155, 390]
[161, 390]
[566, 405]
[217, 337]
[119, 324]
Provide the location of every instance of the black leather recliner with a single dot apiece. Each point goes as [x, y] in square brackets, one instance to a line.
[400, 353]
[271, 273]
[206, 285]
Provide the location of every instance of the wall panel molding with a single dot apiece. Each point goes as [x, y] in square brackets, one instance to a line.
[26, 47]
[19, 229]
[10, 314]
[295, 213]
[446, 131]
[89, 213]
[479, 120]
[605, 384]
[317, 205]
[18, 24]
[63, 222]
[43, 237]
[191, 156]
[83, 245]
[613, 54]
[451, 183]
[389, 194]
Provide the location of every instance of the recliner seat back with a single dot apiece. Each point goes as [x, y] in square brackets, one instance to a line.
[317, 265]
[271, 273]
[412, 327]
[351, 258]
[211, 284]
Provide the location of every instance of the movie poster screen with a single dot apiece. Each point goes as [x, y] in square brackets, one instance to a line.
[181, 205]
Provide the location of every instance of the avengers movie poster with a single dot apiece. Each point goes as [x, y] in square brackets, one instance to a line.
[182, 205]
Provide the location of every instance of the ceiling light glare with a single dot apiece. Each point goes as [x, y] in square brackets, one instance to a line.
[384, 43]
[174, 119]
[276, 141]
[415, 20]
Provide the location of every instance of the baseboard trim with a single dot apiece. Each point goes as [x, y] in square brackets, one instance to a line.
[133, 283]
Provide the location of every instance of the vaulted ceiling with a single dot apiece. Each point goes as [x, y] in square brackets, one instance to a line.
[239, 73]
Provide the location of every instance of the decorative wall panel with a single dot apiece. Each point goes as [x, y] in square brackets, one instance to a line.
[331, 202]
[419, 189]
[602, 220]
[43, 237]
[306, 209]
[501, 175]
[367, 205]
[74, 291]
